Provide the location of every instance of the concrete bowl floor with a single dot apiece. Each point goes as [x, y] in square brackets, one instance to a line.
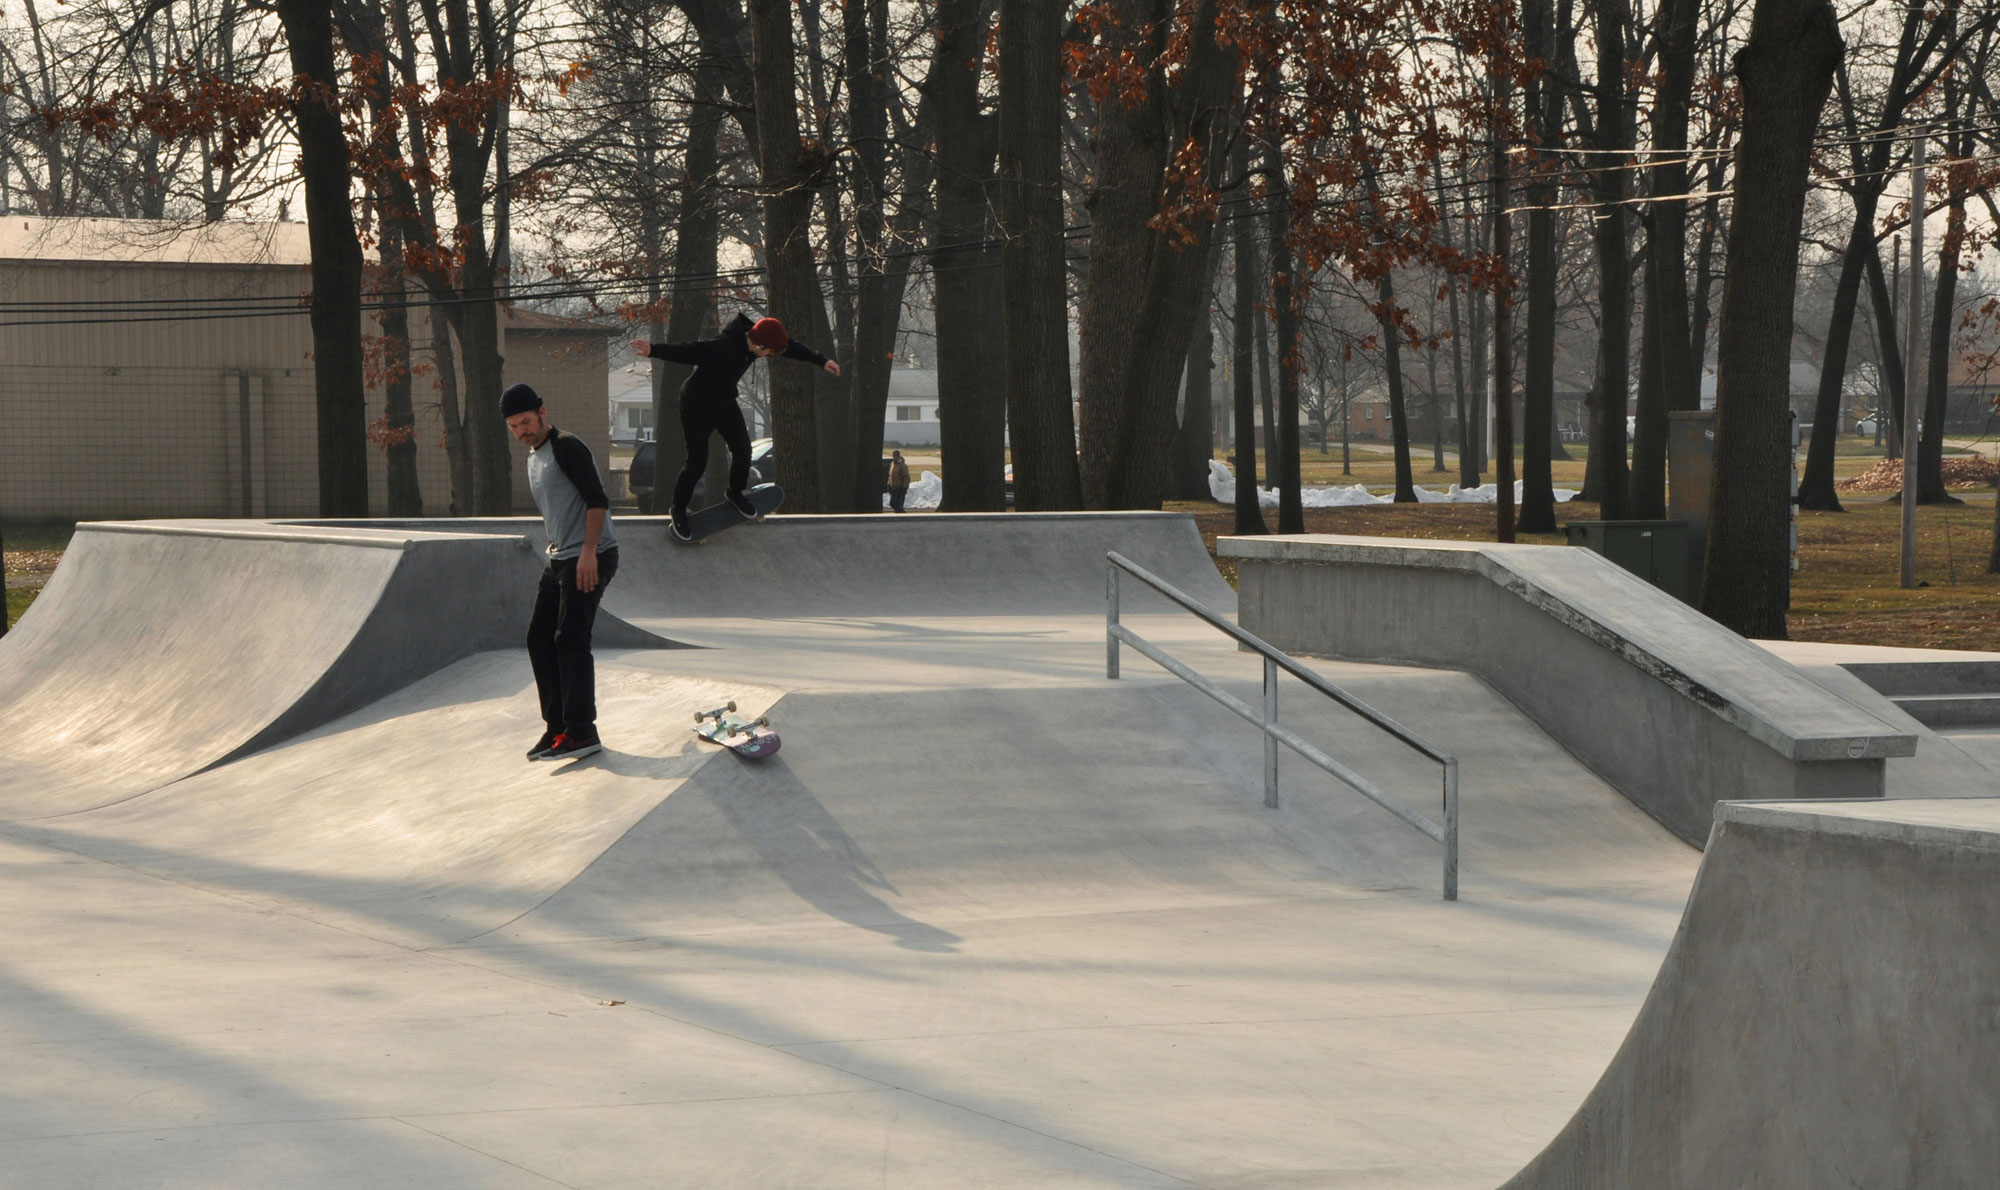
[988, 919]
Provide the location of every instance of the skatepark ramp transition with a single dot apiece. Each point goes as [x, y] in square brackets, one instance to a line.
[1828, 1014]
[949, 564]
[161, 648]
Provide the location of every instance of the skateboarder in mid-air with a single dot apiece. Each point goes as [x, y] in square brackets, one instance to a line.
[708, 401]
[583, 555]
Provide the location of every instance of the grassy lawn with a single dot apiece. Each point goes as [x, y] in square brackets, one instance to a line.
[1373, 464]
[32, 554]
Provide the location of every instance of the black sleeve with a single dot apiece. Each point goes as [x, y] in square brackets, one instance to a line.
[581, 469]
[694, 351]
[799, 351]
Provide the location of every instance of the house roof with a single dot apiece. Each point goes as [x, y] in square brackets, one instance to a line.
[522, 320]
[154, 241]
[913, 384]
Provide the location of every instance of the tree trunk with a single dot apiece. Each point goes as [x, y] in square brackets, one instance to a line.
[1130, 147]
[1503, 340]
[793, 287]
[1785, 70]
[1194, 440]
[1035, 328]
[1816, 490]
[1266, 386]
[884, 272]
[458, 452]
[1670, 378]
[1704, 276]
[1889, 349]
[972, 402]
[1174, 292]
[1605, 475]
[336, 263]
[1468, 462]
[691, 302]
[1284, 303]
[1249, 513]
[1477, 401]
[1538, 502]
[399, 422]
[1399, 416]
[1930, 443]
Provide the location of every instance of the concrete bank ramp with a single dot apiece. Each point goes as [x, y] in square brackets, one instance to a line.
[417, 817]
[1825, 1017]
[159, 649]
[930, 565]
[933, 564]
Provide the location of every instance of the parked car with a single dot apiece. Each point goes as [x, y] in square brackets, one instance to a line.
[642, 477]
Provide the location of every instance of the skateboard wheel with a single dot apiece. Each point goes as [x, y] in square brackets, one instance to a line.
[764, 722]
[698, 716]
[732, 704]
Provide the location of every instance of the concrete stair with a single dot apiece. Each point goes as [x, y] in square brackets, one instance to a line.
[1941, 695]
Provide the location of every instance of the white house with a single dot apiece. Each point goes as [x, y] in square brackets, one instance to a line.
[911, 418]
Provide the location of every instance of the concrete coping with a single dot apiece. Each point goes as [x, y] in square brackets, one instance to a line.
[1972, 822]
[387, 537]
[1746, 685]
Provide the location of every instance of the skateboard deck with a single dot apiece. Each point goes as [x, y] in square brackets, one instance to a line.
[707, 522]
[752, 739]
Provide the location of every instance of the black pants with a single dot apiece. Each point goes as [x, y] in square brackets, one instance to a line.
[699, 419]
[896, 495]
[559, 645]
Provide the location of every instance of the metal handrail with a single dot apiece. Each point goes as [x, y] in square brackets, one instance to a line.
[1266, 719]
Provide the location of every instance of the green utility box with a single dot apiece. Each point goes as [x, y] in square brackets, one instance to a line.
[1656, 551]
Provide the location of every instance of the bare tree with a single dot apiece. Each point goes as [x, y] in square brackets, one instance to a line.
[1786, 70]
[1035, 323]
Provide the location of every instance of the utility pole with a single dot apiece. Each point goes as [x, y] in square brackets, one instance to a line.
[1912, 317]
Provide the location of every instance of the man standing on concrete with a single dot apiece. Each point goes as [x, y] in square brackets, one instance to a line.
[583, 556]
[899, 481]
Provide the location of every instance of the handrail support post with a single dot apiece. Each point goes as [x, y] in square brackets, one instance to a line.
[1270, 741]
[1111, 621]
[1451, 829]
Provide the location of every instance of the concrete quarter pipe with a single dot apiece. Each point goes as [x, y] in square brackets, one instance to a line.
[1829, 1014]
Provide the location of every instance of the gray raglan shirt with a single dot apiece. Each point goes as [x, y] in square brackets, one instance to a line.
[563, 476]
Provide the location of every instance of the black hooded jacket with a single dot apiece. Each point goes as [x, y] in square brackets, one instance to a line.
[720, 362]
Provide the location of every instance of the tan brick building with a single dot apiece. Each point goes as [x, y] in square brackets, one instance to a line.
[165, 369]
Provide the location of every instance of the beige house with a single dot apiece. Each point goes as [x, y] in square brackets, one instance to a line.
[165, 370]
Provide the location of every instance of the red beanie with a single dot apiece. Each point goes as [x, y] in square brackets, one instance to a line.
[769, 333]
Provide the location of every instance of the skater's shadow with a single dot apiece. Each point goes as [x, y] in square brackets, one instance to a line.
[807, 848]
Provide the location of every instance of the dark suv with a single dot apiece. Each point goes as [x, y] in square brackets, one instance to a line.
[641, 478]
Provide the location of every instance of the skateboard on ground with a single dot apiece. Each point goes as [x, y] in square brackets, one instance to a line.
[752, 739]
[765, 498]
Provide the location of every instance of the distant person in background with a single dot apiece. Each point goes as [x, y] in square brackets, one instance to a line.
[583, 555]
[899, 480]
[708, 401]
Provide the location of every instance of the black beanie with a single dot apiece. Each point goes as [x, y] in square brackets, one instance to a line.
[519, 398]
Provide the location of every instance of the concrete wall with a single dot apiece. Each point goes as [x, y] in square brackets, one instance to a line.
[1671, 709]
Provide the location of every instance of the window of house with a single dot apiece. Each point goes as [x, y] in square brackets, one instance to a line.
[909, 413]
[639, 417]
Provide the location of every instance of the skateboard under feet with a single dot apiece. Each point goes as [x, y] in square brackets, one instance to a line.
[706, 523]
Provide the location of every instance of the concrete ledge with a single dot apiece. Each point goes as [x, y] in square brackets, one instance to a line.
[1673, 710]
[1825, 1016]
